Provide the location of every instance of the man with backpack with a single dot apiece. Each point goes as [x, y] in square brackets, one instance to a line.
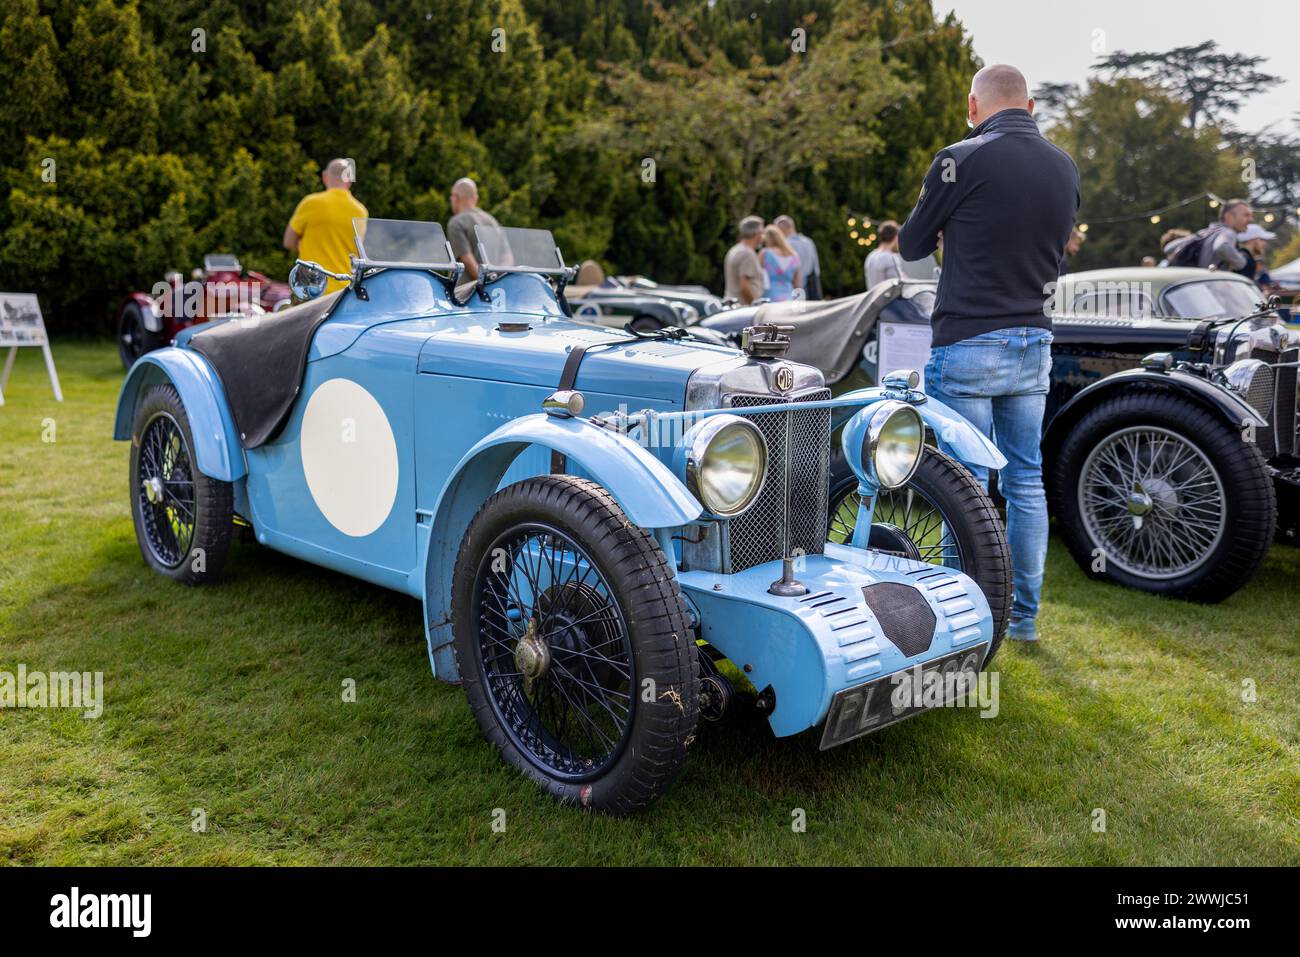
[1216, 244]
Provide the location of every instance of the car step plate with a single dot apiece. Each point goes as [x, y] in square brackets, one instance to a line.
[869, 707]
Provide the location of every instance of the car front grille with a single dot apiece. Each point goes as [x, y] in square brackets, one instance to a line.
[1279, 405]
[790, 513]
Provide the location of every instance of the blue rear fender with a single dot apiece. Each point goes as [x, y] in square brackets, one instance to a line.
[217, 451]
[646, 489]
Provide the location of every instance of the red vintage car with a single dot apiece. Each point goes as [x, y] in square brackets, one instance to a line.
[149, 320]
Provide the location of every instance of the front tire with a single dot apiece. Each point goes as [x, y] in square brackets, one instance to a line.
[183, 518]
[942, 516]
[1157, 493]
[574, 644]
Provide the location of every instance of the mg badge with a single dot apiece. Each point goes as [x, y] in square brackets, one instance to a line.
[783, 378]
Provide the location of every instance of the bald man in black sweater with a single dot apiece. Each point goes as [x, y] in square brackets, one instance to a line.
[1003, 200]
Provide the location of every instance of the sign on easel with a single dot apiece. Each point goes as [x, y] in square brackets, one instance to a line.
[903, 345]
[21, 325]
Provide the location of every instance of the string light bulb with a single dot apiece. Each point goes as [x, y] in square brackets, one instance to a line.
[1155, 219]
[852, 221]
[1083, 227]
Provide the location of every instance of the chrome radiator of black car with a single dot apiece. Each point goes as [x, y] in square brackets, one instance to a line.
[1280, 406]
[789, 516]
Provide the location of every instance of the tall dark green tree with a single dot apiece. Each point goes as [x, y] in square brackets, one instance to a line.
[1136, 152]
[138, 135]
[1212, 83]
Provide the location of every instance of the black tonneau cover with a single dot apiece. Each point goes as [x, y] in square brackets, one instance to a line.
[261, 364]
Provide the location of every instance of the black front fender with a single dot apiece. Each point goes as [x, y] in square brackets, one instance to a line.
[1231, 406]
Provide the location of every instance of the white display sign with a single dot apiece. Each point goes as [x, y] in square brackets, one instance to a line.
[21, 324]
[903, 345]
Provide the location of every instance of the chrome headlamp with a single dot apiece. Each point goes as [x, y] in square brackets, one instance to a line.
[883, 443]
[723, 461]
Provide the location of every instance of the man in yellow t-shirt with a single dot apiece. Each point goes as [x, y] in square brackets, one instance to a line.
[321, 228]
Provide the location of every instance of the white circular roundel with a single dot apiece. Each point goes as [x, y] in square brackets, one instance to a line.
[349, 457]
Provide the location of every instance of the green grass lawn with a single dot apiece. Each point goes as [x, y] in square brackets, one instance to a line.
[228, 699]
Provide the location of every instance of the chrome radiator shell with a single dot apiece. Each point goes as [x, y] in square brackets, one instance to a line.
[790, 514]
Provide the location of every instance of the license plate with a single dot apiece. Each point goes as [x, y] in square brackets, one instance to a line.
[869, 707]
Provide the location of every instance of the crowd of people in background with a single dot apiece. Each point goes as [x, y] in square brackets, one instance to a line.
[773, 261]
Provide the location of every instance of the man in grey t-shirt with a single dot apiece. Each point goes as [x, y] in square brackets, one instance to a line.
[741, 272]
[465, 216]
[883, 262]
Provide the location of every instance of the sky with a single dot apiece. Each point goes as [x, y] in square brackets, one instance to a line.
[1052, 41]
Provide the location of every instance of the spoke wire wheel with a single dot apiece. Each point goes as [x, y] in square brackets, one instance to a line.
[571, 714]
[574, 644]
[1185, 469]
[942, 516]
[1153, 502]
[165, 490]
[902, 511]
[183, 518]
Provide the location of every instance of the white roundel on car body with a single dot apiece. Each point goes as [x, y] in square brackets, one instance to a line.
[349, 457]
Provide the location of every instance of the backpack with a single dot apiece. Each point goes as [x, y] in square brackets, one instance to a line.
[1187, 250]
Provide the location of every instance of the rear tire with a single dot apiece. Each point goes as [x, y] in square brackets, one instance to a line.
[943, 517]
[183, 518]
[557, 665]
[1206, 500]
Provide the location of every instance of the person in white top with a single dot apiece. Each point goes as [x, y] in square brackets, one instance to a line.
[884, 262]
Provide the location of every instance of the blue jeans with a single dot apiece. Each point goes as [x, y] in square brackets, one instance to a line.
[999, 381]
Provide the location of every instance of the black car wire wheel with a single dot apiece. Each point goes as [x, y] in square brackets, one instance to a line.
[942, 516]
[555, 651]
[183, 518]
[1155, 490]
[574, 645]
[1153, 501]
[166, 490]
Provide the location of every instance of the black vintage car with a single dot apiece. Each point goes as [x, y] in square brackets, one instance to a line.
[1170, 438]
[642, 303]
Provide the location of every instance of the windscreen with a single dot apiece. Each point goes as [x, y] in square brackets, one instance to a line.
[400, 242]
[514, 248]
[221, 262]
[1213, 299]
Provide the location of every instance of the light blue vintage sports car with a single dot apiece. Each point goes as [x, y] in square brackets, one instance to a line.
[595, 521]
